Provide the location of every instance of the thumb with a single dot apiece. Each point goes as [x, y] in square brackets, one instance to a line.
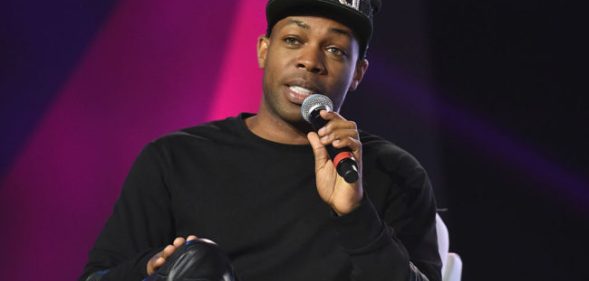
[319, 150]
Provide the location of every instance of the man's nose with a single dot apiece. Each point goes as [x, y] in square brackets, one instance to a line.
[311, 58]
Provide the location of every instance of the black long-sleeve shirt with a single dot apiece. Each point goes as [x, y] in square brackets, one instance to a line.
[258, 201]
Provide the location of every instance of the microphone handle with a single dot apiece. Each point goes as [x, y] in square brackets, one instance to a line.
[342, 158]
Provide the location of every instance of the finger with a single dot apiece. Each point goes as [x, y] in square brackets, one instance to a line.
[179, 241]
[327, 116]
[348, 127]
[168, 251]
[339, 134]
[155, 262]
[191, 237]
[335, 125]
[159, 262]
[330, 115]
[351, 143]
[319, 150]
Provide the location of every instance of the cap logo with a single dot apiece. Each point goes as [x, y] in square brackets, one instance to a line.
[355, 4]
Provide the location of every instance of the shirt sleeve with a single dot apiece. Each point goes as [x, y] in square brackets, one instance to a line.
[141, 223]
[398, 241]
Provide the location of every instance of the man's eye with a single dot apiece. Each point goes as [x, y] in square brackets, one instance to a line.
[336, 51]
[291, 41]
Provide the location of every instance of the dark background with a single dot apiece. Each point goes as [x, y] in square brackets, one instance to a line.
[517, 64]
[488, 95]
[506, 131]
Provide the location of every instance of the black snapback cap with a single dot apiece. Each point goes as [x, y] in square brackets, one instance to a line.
[355, 14]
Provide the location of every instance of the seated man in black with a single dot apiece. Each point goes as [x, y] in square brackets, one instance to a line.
[263, 187]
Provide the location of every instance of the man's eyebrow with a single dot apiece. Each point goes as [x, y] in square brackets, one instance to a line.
[303, 25]
[299, 23]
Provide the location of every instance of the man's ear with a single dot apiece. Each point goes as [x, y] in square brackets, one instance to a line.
[361, 67]
[262, 47]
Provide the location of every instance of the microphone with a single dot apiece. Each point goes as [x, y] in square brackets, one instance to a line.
[342, 158]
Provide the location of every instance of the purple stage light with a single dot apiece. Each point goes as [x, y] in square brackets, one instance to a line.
[481, 135]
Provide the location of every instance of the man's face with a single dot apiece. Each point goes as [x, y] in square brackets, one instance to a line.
[306, 55]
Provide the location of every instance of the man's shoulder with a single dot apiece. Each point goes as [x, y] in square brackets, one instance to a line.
[386, 154]
[210, 132]
[228, 125]
[378, 146]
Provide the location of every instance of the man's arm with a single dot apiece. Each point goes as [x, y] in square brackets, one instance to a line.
[380, 252]
[140, 224]
[376, 250]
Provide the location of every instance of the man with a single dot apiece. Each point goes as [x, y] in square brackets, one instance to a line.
[263, 186]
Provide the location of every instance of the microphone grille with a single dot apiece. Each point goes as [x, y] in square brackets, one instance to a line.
[313, 102]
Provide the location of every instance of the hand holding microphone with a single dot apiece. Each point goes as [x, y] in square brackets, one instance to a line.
[337, 151]
[342, 158]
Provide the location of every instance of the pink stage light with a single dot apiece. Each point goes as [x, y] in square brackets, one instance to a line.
[155, 67]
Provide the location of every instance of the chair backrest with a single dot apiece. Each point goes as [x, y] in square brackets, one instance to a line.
[451, 262]
[443, 238]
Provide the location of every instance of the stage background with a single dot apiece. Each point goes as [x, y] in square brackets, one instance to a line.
[488, 96]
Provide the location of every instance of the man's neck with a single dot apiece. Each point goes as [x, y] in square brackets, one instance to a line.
[277, 130]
